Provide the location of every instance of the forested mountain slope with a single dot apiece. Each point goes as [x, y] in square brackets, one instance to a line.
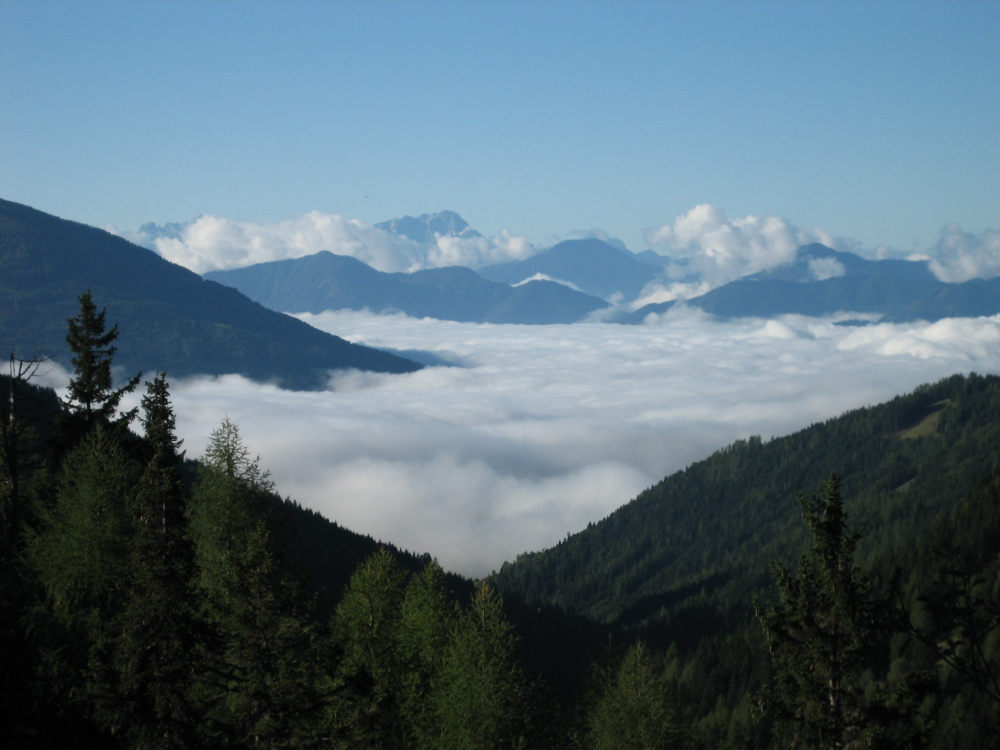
[689, 552]
[325, 281]
[168, 317]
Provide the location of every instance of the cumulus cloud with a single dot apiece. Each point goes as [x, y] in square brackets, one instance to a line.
[476, 251]
[959, 255]
[211, 242]
[548, 428]
[720, 249]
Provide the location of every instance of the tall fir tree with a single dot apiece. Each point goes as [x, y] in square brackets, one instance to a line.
[92, 395]
[822, 635]
[159, 642]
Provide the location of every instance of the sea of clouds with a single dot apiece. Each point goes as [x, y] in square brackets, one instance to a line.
[535, 431]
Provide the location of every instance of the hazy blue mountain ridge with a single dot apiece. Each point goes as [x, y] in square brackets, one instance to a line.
[592, 265]
[325, 281]
[823, 281]
[169, 318]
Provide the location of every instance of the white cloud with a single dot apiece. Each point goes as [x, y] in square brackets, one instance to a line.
[212, 242]
[960, 256]
[476, 251]
[660, 291]
[974, 339]
[550, 427]
[822, 269]
[721, 249]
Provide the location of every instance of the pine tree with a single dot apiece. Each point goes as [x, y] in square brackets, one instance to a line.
[481, 693]
[367, 710]
[80, 556]
[263, 680]
[156, 656]
[821, 633]
[427, 622]
[638, 709]
[92, 395]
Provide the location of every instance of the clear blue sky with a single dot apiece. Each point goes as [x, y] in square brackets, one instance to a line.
[877, 120]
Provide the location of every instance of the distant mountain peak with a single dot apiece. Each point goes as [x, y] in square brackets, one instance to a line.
[424, 228]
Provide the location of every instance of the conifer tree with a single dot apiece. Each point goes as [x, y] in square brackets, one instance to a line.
[427, 621]
[262, 689]
[80, 556]
[481, 693]
[637, 709]
[821, 632]
[92, 395]
[156, 657]
[366, 625]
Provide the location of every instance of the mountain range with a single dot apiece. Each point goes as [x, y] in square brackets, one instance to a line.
[325, 281]
[168, 317]
[823, 281]
[573, 279]
[591, 265]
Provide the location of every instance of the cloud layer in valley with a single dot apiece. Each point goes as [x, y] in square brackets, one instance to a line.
[543, 429]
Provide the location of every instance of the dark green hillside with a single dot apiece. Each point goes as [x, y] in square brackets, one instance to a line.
[168, 317]
[691, 550]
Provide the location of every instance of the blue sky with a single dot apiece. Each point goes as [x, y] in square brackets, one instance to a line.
[874, 121]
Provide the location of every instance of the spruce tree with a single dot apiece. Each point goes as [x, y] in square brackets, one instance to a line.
[80, 556]
[367, 710]
[821, 633]
[481, 696]
[427, 622]
[156, 656]
[92, 395]
[638, 709]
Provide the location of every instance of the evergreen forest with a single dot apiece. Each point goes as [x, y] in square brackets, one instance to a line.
[835, 588]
